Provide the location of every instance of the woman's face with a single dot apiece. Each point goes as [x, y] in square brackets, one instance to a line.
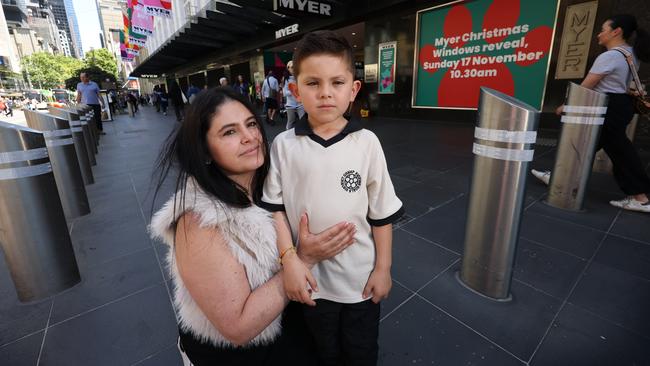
[290, 67]
[235, 141]
[607, 33]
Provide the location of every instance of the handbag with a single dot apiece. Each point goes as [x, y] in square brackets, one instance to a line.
[641, 100]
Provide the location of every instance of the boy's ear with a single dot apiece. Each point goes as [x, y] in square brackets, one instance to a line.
[293, 88]
[356, 86]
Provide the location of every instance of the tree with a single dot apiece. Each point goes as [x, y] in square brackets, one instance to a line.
[47, 71]
[94, 73]
[101, 58]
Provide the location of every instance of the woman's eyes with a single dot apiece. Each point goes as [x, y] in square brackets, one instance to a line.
[232, 131]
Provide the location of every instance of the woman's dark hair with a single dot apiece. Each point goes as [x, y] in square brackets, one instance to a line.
[186, 149]
[628, 24]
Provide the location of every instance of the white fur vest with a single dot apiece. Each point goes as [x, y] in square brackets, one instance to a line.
[250, 234]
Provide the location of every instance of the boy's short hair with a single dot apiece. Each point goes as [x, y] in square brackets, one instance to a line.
[322, 42]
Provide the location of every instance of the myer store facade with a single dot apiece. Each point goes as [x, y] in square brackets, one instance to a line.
[417, 59]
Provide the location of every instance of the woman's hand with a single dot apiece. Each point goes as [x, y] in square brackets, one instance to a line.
[559, 110]
[295, 277]
[314, 248]
[379, 285]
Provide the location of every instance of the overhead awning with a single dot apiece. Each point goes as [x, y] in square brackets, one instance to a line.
[225, 27]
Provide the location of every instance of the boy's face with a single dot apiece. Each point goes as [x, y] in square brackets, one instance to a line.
[326, 87]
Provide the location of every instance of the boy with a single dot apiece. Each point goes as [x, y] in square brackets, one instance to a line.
[332, 169]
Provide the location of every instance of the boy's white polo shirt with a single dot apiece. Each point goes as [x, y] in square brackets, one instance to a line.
[344, 178]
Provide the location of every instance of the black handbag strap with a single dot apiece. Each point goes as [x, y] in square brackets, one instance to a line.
[635, 75]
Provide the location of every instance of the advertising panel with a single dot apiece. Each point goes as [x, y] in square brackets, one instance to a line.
[387, 58]
[500, 44]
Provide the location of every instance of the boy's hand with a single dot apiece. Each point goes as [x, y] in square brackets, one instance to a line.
[379, 285]
[296, 276]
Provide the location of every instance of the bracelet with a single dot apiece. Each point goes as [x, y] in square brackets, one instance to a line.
[284, 252]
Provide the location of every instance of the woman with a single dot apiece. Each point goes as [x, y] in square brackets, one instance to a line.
[228, 289]
[242, 87]
[295, 110]
[611, 74]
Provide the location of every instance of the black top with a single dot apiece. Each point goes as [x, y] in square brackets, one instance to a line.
[294, 346]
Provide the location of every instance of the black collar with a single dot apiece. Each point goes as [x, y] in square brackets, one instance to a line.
[302, 128]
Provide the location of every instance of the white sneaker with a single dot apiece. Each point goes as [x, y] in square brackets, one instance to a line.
[544, 176]
[629, 203]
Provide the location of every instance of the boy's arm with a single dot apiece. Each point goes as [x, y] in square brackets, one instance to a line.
[380, 282]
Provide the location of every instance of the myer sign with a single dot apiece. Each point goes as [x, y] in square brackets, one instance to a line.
[307, 6]
[286, 31]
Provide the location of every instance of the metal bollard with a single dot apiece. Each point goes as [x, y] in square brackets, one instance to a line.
[64, 160]
[92, 144]
[84, 155]
[90, 118]
[74, 119]
[504, 136]
[582, 119]
[33, 231]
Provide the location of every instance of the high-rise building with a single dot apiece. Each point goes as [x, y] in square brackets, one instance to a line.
[110, 16]
[65, 44]
[9, 59]
[41, 20]
[66, 20]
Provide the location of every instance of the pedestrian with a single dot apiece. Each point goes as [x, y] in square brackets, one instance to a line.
[88, 93]
[242, 87]
[178, 100]
[611, 74]
[223, 81]
[9, 106]
[223, 259]
[345, 164]
[3, 106]
[192, 91]
[270, 90]
[164, 100]
[155, 97]
[295, 110]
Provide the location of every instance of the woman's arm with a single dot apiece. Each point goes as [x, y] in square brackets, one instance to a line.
[592, 80]
[219, 285]
[589, 82]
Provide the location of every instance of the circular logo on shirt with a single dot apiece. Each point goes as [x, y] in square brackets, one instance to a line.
[351, 181]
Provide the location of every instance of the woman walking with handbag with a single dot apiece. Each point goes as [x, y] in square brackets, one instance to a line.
[611, 74]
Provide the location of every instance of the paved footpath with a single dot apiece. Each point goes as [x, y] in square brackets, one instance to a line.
[581, 289]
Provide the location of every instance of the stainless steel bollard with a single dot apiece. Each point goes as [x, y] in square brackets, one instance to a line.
[33, 231]
[92, 143]
[582, 119]
[92, 125]
[74, 119]
[503, 143]
[65, 163]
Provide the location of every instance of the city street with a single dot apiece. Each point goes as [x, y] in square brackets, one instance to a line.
[581, 289]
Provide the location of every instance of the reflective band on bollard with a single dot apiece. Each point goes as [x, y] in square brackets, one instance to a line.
[84, 151]
[582, 118]
[502, 148]
[33, 231]
[65, 163]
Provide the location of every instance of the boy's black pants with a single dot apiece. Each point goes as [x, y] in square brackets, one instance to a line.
[345, 334]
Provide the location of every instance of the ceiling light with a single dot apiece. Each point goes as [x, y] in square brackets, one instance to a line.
[354, 33]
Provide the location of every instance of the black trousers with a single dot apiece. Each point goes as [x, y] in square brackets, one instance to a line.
[345, 334]
[628, 169]
[98, 116]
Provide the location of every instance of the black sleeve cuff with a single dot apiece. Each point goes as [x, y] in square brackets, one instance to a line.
[389, 220]
[272, 207]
